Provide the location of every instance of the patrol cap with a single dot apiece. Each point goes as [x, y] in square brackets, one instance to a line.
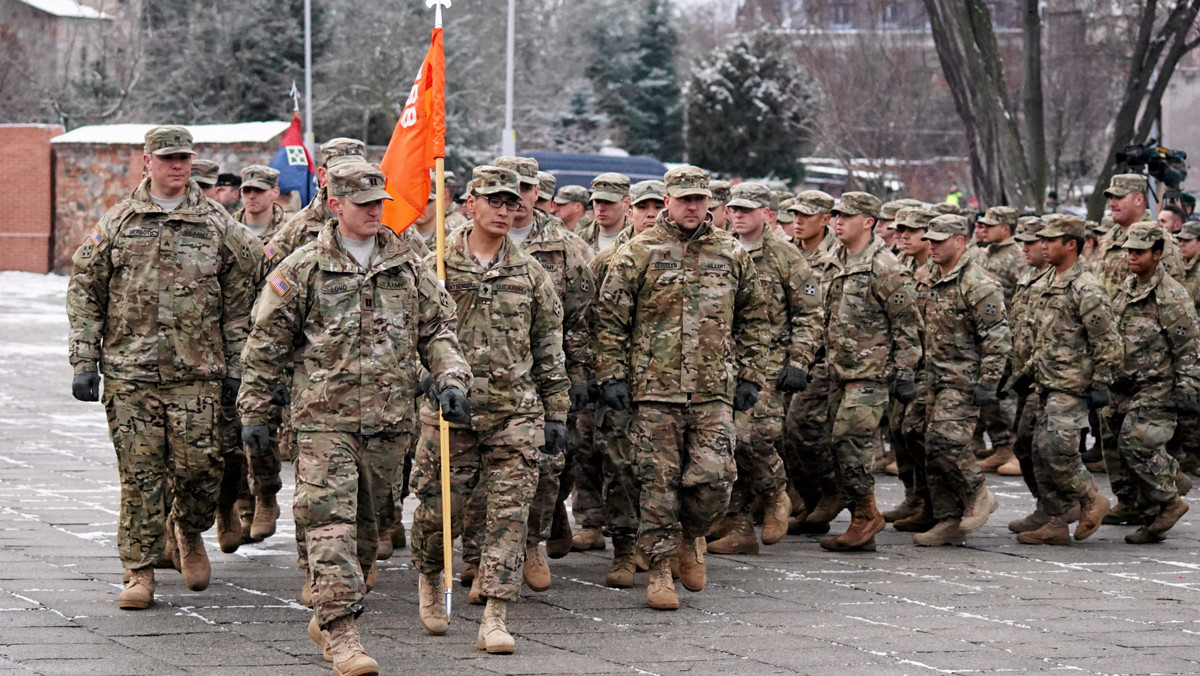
[546, 185]
[944, 227]
[526, 168]
[687, 180]
[783, 196]
[750, 195]
[785, 214]
[1123, 184]
[948, 208]
[854, 203]
[647, 190]
[610, 187]
[492, 180]
[720, 192]
[358, 182]
[812, 202]
[914, 218]
[888, 211]
[169, 139]
[999, 216]
[1191, 230]
[341, 149]
[205, 172]
[773, 202]
[261, 177]
[572, 193]
[1028, 228]
[1058, 225]
[910, 202]
[1105, 225]
[1143, 235]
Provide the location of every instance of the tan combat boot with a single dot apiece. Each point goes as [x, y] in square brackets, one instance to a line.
[383, 549]
[475, 596]
[432, 609]
[349, 656]
[318, 637]
[691, 564]
[1010, 468]
[587, 539]
[912, 505]
[306, 592]
[266, 513]
[775, 517]
[1053, 532]
[229, 530]
[193, 560]
[1093, 507]
[946, 532]
[372, 577]
[170, 558]
[1032, 521]
[798, 506]
[828, 507]
[660, 591]
[493, 634]
[620, 574]
[723, 527]
[740, 540]
[138, 593]
[245, 511]
[561, 538]
[1167, 517]
[397, 535]
[1002, 456]
[978, 509]
[917, 523]
[535, 571]
[860, 536]
[466, 577]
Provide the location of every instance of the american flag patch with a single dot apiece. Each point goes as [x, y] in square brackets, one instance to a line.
[280, 284]
[270, 251]
[96, 237]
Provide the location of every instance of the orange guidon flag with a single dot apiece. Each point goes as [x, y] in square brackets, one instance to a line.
[418, 140]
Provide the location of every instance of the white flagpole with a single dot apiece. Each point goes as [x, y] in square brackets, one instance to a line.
[309, 139]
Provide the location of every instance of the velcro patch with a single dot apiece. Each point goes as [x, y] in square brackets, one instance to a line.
[990, 309]
[96, 237]
[270, 251]
[810, 289]
[280, 284]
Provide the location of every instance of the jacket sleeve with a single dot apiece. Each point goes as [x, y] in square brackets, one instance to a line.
[895, 291]
[805, 313]
[437, 332]
[616, 309]
[87, 295]
[1103, 338]
[751, 326]
[241, 276]
[278, 322]
[546, 347]
[1182, 328]
[986, 305]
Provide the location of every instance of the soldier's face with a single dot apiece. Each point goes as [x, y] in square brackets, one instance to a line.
[947, 251]
[747, 223]
[570, 212]
[494, 221]
[853, 230]
[688, 211]
[1056, 250]
[1034, 255]
[1169, 221]
[257, 201]
[529, 198]
[881, 229]
[211, 192]
[643, 214]
[169, 173]
[911, 242]
[809, 226]
[1142, 262]
[610, 214]
[358, 221]
[720, 216]
[428, 215]
[1127, 208]
[1190, 248]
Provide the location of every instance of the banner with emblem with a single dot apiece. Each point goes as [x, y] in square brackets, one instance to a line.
[296, 169]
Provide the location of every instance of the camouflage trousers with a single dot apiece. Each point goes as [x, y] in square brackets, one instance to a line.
[998, 420]
[1058, 467]
[622, 491]
[760, 469]
[168, 460]
[585, 469]
[686, 468]
[807, 453]
[1027, 409]
[855, 409]
[235, 483]
[953, 471]
[501, 465]
[1146, 469]
[908, 440]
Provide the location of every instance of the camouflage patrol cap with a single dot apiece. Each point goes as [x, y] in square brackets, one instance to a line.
[1028, 228]
[168, 139]
[610, 187]
[999, 216]
[546, 185]
[786, 215]
[1123, 184]
[205, 172]
[687, 180]
[358, 182]
[1191, 230]
[910, 202]
[854, 203]
[812, 202]
[888, 211]
[944, 227]
[948, 208]
[773, 202]
[1143, 235]
[259, 176]
[341, 149]
[572, 193]
[647, 190]
[720, 192]
[750, 195]
[492, 180]
[783, 196]
[914, 218]
[1058, 225]
[526, 168]
[1105, 225]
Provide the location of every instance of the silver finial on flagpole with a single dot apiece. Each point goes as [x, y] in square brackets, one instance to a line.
[437, 5]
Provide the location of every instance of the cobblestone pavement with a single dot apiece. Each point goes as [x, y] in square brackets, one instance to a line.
[1096, 607]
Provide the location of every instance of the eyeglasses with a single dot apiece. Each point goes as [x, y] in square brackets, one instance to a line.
[496, 202]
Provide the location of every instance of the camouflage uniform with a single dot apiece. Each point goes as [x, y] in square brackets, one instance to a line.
[359, 334]
[159, 304]
[1021, 315]
[1186, 444]
[1006, 262]
[1109, 264]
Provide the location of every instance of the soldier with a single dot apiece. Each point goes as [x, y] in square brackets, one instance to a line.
[546, 186]
[306, 225]
[1076, 350]
[716, 205]
[569, 205]
[1171, 218]
[259, 212]
[229, 191]
[786, 219]
[204, 173]
[1159, 376]
[967, 343]
[794, 314]
[872, 338]
[359, 309]
[1126, 195]
[510, 323]
[885, 228]
[681, 318]
[159, 301]
[1187, 432]
[610, 204]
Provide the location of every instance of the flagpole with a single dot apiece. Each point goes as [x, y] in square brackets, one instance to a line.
[309, 139]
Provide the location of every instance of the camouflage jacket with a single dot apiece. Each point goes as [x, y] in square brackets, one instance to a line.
[828, 243]
[278, 218]
[359, 335]
[1191, 280]
[162, 297]
[967, 339]
[1111, 269]
[1157, 321]
[681, 317]
[1006, 262]
[793, 303]
[510, 323]
[455, 219]
[602, 260]
[1021, 314]
[1076, 344]
[872, 322]
[590, 232]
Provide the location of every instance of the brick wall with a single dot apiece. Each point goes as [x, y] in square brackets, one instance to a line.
[27, 198]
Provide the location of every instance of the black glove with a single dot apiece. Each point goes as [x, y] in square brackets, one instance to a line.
[229, 391]
[1021, 383]
[905, 391]
[85, 386]
[455, 406]
[257, 439]
[556, 437]
[427, 388]
[593, 390]
[1099, 397]
[793, 379]
[579, 396]
[1188, 407]
[281, 395]
[745, 396]
[615, 394]
[984, 396]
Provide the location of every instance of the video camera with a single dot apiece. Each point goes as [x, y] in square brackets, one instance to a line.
[1164, 165]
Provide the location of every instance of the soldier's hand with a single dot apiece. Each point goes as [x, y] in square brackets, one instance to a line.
[745, 396]
[793, 379]
[1099, 397]
[1021, 383]
[455, 406]
[556, 437]
[579, 396]
[429, 390]
[615, 394]
[905, 391]
[257, 439]
[593, 390]
[229, 391]
[984, 396]
[1188, 407]
[281, 395]
[86, 386]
